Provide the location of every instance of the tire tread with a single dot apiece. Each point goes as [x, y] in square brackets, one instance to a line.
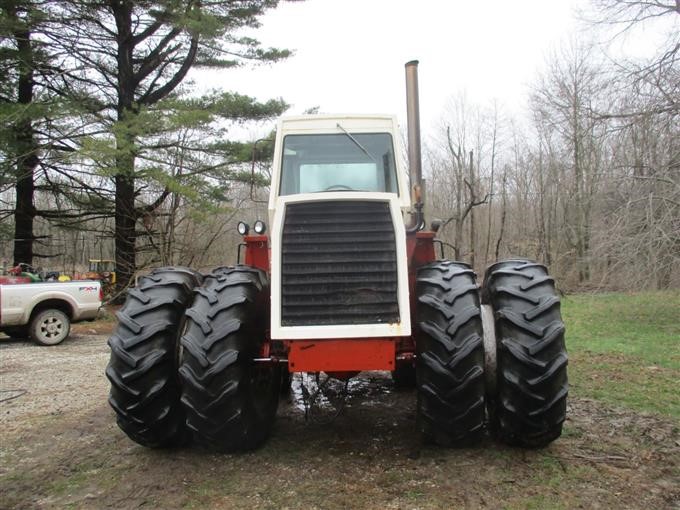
[225, 328]
[450, 362]
[532, 388]
[142, 368]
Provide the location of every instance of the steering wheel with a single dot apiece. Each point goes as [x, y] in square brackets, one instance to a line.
[338, 187]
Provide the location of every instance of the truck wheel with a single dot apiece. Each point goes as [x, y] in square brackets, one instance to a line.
[450, 362]
[531, 401]
[49, 327]
[230, 401]
[143, 366]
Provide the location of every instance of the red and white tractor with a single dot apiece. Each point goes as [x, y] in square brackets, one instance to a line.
[347, 281]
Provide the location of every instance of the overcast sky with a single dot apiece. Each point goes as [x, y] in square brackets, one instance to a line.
[350, 54]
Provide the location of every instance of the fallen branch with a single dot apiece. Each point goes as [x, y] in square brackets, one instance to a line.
[602, 458]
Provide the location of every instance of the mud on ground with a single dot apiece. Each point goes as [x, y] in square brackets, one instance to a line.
[60, 448]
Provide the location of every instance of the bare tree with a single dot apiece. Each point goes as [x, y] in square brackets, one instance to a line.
[456, 188]
[567, 97]
[494, 127]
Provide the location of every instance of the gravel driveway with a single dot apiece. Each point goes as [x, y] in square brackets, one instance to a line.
[37, 381]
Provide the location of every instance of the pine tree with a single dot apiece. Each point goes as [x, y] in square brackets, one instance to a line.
[19, 57]
[127, 63]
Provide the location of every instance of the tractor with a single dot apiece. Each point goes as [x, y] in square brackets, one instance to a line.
[346, 281]
[103, 270]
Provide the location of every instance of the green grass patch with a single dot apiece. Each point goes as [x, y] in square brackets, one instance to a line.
[625, 349]
[537, 502]
[89, 472]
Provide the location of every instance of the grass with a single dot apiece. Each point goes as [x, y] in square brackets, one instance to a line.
[625, 349]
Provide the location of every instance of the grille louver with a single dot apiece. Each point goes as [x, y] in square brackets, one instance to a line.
[338, 264]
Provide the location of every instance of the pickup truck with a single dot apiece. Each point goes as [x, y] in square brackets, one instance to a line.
[44, 311]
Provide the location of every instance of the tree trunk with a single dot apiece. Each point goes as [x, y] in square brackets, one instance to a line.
[125, 214]
[579, 189]
[541, 249]
[24, 211]
[473, 244]
[26, 152]
[487, 245]
[125, 232]
[504, 208]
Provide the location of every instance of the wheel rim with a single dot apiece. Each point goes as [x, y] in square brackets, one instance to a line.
[51, 329]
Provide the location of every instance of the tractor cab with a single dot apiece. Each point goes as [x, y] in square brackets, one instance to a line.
[325, 153]
[315, 163]
[338, 250]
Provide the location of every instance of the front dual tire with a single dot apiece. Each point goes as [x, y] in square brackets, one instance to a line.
[230, 400]
[450, 361]
[527, 405]
[145, 388]
[181, 360]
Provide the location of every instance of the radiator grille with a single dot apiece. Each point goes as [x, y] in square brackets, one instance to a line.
[339, 264]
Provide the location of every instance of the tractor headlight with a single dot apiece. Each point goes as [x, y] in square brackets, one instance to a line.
[243, 228]
[260, 227]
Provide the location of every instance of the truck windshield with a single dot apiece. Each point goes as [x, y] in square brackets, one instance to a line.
[338, 162]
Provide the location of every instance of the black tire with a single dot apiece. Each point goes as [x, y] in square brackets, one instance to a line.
[145, 392]
[49, 327]
[286, 383]
[404, 376]
[530, 404]
[230, 401]
[18, 332]
[450, 362]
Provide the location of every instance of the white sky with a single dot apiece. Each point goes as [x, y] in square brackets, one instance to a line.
[350, 54]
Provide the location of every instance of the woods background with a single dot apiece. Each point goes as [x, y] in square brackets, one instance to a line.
[108, 151]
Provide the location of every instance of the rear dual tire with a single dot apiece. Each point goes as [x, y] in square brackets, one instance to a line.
[528, 407]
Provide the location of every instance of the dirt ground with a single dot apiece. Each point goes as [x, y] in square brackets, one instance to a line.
[61, 448]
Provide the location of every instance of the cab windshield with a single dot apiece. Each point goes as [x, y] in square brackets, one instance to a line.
[338, 162]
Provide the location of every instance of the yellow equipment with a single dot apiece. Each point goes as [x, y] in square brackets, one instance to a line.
[102, 269]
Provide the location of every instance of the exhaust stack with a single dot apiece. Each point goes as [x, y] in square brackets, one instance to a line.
[413, 123]
[414, 158]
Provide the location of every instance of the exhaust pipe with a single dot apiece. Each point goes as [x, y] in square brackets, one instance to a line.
[414, 157]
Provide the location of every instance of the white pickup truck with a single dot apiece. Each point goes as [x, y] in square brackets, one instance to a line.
[44, 311]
